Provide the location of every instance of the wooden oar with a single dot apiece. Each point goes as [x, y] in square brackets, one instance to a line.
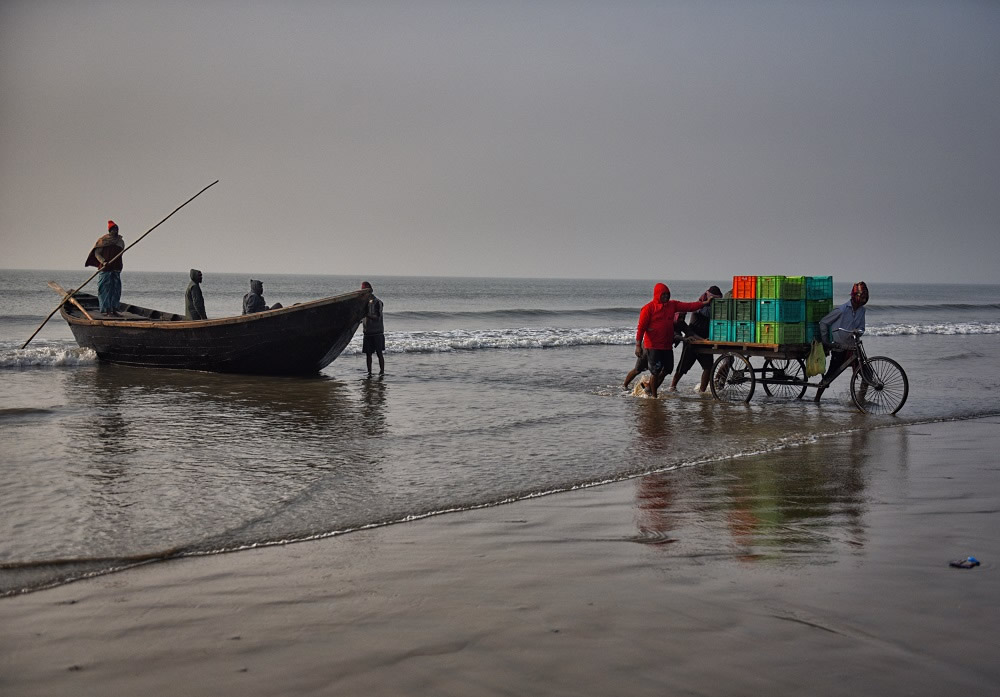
[69, 295]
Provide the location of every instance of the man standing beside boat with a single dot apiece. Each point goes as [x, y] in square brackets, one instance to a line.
[374, 331]
[109, 281]
[194, 301]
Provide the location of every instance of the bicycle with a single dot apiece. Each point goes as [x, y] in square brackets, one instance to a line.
[878, 384]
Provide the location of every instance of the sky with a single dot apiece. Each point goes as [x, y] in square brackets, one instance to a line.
[668, 140]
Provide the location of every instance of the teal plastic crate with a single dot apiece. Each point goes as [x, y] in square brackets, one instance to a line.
[819, 287]
[780, 310]
[744, 311]
[769, 286]
[812, 332]
[818, 309]
[722, 308]
[720, 330]
[792, 288]
[745, 332]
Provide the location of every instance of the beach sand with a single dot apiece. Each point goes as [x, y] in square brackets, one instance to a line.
[818, 570]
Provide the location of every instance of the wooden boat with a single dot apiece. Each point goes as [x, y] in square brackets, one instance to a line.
[301, 339]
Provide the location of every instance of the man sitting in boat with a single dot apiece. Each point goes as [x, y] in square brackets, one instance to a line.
[109, 280]
[254, 300]
[194, 301]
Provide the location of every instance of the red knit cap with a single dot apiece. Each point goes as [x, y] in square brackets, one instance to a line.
[111, 225]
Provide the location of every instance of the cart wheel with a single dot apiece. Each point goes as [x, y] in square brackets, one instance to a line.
[794, 370]
[732, 378]
[880, 386]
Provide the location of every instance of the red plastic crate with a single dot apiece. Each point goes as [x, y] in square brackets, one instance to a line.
[744, 286]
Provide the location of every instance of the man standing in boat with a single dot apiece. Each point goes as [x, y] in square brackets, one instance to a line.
[374, 331]
[109, 280]
[194, 301]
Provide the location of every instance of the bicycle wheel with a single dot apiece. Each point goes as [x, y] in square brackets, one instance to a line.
[793, 370]
[880, 386]
[732, 378]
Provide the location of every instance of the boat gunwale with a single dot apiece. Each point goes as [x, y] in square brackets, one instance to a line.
[205, 323]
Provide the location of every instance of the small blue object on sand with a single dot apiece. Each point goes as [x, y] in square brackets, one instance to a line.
[966, 563]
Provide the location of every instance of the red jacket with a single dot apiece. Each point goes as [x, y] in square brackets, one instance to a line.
[656, 320]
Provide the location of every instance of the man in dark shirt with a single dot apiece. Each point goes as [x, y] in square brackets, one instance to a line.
[697, 328]
[254, 300]
[194, 302]
[374, 331]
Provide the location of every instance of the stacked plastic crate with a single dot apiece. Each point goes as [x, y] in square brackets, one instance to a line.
[819, 302]
[734, 319]
[772, 309]
[781, 309]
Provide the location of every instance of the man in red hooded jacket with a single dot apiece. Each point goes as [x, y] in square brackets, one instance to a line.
[654, 337]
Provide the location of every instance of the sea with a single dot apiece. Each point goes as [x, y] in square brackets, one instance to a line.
[495, 390]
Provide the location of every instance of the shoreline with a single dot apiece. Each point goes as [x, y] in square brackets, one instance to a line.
[821, 568]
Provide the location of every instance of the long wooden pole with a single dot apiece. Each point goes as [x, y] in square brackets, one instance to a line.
[73, 291]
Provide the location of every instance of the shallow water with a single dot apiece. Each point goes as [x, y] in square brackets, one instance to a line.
[495, 390]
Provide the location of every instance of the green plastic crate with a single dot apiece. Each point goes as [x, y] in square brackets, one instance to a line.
[792, 288]
[722, 308]
[767, 332]
[769, 286]
[744, 311]
[818, 309]
[791, 333]
[720, 330]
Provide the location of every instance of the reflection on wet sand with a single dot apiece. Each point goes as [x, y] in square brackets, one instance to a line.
[790, 506]
[161, 448]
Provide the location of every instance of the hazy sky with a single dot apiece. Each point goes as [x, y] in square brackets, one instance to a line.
[668, 140]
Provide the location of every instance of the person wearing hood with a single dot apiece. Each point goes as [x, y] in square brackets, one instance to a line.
[835, 331]
[698, 328]
[254, 300]
[194, 302]
[109, 280]
[374, 331]
[654, 336]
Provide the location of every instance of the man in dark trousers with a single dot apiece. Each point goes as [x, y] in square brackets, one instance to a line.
[654, 336]
[697, 328]
[194, 301]
[374, 331]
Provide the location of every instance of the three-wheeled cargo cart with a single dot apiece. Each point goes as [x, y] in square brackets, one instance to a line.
[878, 384]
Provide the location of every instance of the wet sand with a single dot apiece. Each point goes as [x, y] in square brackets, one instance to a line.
[819, 570]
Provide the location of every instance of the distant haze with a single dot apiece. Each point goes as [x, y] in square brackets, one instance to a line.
[669, 140]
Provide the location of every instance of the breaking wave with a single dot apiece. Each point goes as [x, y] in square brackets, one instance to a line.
[46, 357]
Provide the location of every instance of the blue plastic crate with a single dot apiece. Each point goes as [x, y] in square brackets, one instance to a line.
[819, 287]
[745, 332]
[781, 310]
[812, 332]
[720, 330]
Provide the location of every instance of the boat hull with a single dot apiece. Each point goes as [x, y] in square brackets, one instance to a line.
[297, 340]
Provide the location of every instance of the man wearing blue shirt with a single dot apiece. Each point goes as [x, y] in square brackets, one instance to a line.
[836, 328]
